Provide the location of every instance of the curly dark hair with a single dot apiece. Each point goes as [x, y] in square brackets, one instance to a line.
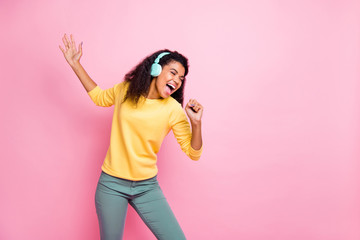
[139, 77]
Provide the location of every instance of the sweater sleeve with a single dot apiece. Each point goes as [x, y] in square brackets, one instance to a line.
[104, 98]
[182, 132]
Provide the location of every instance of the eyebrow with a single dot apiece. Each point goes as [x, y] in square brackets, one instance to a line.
[176, 71]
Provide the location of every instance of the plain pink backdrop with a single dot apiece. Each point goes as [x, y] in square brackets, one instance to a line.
[279, 81]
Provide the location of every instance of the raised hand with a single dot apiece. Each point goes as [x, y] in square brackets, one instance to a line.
[71, 54]
[194, 111]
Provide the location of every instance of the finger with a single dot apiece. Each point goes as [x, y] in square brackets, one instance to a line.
[194, 102]
[191, 102]
[198, 106]
[80, 48]
[63, 51]
[64, 41]
[72, 42]
[67, 41]
[195, 108]
[188, 104]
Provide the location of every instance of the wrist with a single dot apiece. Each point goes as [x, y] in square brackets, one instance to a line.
[75, 64]
[195, 123]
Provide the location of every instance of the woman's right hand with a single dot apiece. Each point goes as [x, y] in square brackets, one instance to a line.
[71, 54]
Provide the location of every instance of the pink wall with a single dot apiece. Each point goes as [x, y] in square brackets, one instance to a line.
[279, 81]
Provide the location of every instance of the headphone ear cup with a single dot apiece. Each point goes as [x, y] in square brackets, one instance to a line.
[155, 69]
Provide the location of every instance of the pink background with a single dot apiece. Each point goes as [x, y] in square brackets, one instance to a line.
[279, 81]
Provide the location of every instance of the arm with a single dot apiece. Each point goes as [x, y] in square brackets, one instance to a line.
[194, 111]
[72, 56]
[103, 98]
[189, 138]
[196, 140]
[85, 79]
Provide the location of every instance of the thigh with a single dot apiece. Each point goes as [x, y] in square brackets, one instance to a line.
[155, 211]
[111, 209]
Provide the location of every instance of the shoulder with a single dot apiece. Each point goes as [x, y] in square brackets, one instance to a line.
[121, 88]
[174, 104]
[177, 113]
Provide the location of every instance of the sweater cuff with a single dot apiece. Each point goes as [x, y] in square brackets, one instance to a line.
[195, 154]
[94, 91]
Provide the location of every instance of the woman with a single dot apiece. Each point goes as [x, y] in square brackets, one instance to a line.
[148, 104]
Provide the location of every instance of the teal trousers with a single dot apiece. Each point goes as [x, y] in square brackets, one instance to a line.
[112, 197]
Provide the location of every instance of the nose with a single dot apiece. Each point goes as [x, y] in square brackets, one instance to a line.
[177, 80]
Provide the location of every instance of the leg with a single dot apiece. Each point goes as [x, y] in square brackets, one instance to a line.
[111, 209]
[156, 213]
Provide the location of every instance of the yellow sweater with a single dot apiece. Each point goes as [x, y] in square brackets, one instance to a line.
[137, 132]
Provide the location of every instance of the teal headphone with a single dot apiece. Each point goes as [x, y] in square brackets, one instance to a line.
[156, 67]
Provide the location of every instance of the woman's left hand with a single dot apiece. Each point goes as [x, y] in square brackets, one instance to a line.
[194, 111]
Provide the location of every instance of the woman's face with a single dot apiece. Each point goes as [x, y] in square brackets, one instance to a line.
[170, 79]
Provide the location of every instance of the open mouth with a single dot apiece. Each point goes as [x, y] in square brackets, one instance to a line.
[170, 87]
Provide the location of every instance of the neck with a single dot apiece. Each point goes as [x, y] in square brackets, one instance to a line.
[153, 93]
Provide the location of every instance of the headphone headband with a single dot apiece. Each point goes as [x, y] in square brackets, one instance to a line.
[160, 56]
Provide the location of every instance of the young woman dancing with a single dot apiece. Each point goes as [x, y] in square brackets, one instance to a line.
[148, 104]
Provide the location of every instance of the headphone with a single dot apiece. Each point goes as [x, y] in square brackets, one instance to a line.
[156, 67]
